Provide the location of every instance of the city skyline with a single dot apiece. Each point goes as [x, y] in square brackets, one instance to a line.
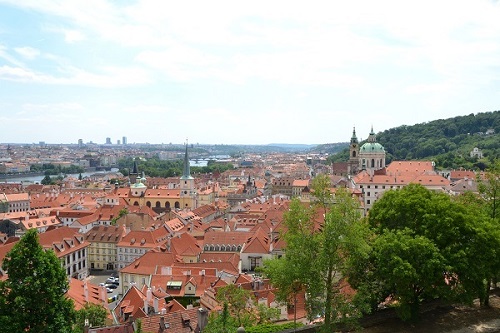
[233, 73]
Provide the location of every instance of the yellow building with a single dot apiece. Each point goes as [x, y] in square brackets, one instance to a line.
[103, 250]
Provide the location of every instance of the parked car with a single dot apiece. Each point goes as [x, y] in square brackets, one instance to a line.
[111, 286]
[110, 279]
[109, 290]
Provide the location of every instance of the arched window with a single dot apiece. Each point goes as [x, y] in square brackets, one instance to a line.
[223, 248]
[206, 248]
[167, 204]
[373, 162]
[136, 203]
[148, 204]
[353, 153]
[234, 248]
[158, 204]
[177, 204]
[211, 247]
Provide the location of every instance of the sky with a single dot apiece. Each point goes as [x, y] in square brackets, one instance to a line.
[241, 72]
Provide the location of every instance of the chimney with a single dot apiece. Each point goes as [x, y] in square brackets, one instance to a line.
[103, 295]
[202, 319]
[271, 243]
[149, 295]
[162, 325]
[146, 306]
[85, 291]
[155, 304]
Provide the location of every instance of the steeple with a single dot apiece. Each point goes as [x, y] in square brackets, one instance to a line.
[354, 138]
[135, 169]
[186, 174]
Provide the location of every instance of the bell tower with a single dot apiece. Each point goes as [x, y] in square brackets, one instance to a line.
[353, 154]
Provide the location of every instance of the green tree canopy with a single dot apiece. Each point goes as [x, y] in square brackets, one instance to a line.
[32, 299]
[95, 315]
[317, 257]
[418, 230]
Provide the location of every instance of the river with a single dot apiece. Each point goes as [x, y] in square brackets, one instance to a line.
[38, 179]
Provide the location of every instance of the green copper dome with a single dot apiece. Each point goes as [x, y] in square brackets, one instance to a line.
[372, 147]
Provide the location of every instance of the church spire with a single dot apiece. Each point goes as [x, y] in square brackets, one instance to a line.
[186, 174]
[354, 138]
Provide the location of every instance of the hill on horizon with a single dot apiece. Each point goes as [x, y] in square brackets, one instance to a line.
[448, 142]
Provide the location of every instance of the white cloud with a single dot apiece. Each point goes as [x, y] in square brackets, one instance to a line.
[112, 77]
[72, 36]
[27, 52]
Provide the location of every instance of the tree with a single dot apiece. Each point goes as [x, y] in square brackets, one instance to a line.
[319, 255]
[32, 299]
[240, 303]
[47, 180]
[412, 268]
[489, 187]
[239, 309]
[221, 323]
[320, 186]
[95, 314]
[342, 241]
[453, 234]
[295, 272]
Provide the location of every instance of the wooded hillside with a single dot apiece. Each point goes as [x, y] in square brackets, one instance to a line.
[448, 142]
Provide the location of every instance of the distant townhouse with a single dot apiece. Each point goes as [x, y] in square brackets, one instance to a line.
[70, 247]
[233, 241]
[14, 167]
[283, 185]
[68, 216]
[139, 272]
[299, 186]
[184, 282]
[103, 246]
[137, 242]
[41, 224]
[257, 249]
[18, 202]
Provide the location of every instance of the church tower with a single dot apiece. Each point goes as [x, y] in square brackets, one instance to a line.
[353, 163]
[188, 194]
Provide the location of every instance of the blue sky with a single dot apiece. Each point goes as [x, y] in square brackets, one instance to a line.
[256, 72]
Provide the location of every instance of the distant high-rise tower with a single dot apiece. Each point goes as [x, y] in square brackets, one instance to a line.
[124, 140]
[80, 143]
[108, 141]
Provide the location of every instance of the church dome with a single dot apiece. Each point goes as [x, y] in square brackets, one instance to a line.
[372, 147]
[138, 185]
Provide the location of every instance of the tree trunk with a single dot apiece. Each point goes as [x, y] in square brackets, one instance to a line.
[328, 300]
[487, 293]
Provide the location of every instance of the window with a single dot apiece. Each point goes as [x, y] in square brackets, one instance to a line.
[368, 201]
